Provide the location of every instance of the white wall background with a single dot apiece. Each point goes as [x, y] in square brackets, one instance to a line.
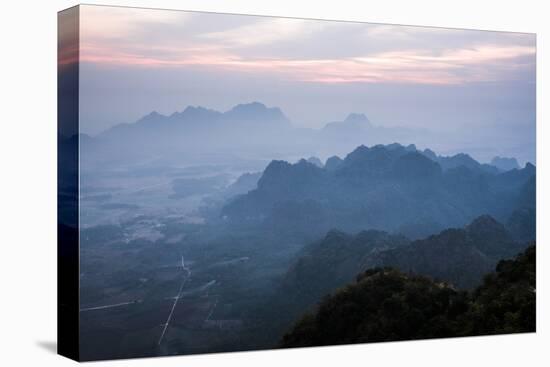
[28, 183]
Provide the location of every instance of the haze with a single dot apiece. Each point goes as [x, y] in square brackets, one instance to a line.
[134, 61]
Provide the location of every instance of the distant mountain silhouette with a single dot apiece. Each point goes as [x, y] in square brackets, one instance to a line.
[194, 134]
[333, 162]
[256, 113]
[464, 160]
[192, 119]
[315, 161]
[198, 134]
[356, 129]
[244, 183]
[355, 122]
[505, 164]
[381, 187]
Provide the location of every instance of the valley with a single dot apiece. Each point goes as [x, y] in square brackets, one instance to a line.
[168, 268]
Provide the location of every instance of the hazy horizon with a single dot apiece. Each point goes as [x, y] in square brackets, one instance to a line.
[449, 81]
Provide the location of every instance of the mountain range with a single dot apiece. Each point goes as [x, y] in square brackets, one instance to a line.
[251, 129]
[194, 119]
[393, 188]
[193, 135]
[461, 256]
[458, 258]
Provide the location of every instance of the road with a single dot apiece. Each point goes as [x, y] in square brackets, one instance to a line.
[109, 306]
[212, 309]
[176, 300]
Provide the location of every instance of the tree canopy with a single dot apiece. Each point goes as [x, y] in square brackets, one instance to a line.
[385, 304]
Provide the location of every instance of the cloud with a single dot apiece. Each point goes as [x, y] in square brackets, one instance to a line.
[483, 63]
[109, 22]
[264, 31]
[289, 48]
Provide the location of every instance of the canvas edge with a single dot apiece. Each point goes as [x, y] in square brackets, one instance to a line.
[68, 287]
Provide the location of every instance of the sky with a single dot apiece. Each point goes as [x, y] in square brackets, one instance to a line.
[134, 61]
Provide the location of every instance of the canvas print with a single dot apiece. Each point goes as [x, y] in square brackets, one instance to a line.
[235, 182]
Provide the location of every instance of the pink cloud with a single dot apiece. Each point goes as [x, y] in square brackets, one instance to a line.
[414, 66]
[116, 37]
